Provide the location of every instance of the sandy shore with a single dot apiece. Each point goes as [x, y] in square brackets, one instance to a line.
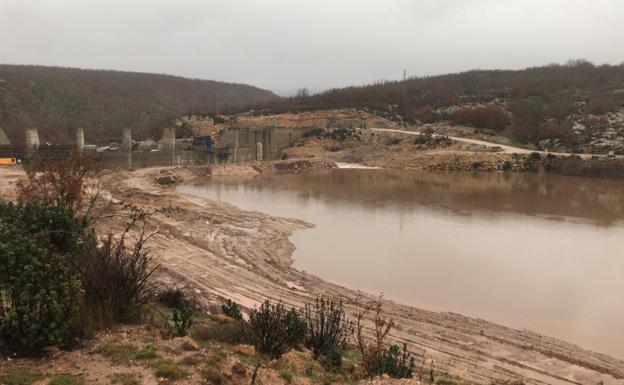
[220, 251]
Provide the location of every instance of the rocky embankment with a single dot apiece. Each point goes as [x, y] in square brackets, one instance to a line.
[396, 150]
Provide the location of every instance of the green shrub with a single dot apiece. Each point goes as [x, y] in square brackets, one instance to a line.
[182, 320]
[40, 292]
[275, 330]
[394, 361]
[328, 331]
[232, 310]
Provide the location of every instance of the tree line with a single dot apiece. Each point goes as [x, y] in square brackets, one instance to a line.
[58, 100]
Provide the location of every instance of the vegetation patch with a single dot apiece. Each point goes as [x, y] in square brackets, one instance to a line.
[232, 310]
[63, 379]
[193, 360]
[20, 378]
[147, 353]
[119, 354]
[214, 377]
[124, 379]
[286, 375]
[231, 332]
[168, 369]
[215, 357]
[444, 381]
[276, 330]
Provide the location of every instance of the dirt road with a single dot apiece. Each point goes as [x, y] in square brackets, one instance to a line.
[504, 148]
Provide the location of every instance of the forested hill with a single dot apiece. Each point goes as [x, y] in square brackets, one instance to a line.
[57, 100]
[528, 105]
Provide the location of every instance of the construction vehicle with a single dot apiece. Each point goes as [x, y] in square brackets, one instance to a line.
[7, 161]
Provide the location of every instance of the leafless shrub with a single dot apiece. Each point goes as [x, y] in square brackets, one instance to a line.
[382, 326]
[116, 276]
[60, 182]
[491, 117]
[377, 356]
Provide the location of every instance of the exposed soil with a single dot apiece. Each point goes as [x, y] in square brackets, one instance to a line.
[401, 149]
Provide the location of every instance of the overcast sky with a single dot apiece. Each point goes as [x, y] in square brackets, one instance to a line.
[283, 45]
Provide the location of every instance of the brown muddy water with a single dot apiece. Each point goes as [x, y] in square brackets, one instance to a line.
[537, 252]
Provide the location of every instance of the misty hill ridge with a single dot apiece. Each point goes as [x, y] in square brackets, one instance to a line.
[57, 100]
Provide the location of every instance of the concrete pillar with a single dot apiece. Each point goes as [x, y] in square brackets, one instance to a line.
[168, 139]
[126, 140]
[258, 151]
[32, 141]
[32, 138]
[80, 138]
[4, 139]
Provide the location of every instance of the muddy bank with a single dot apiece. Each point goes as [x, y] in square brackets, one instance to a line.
[220, 251]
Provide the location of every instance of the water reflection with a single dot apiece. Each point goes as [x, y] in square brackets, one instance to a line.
[529, 251]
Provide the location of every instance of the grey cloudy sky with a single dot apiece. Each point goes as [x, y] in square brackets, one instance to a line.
[283, 45]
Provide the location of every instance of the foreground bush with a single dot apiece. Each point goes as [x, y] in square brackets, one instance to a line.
[276, 330]
[40, 291]
[232, 310]
[182, 320]
[116, 276]
[328, 331]
[56, 282]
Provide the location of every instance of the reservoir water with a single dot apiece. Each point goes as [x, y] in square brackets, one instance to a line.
[529, 251]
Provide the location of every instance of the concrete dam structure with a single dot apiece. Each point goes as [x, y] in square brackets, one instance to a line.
[247, 144]
[231, 145]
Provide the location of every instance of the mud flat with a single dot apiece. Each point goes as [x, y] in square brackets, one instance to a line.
[219, 251]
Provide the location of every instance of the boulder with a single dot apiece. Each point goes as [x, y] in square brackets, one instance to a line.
[239, 369]
[544, 144]
[168, 179]
[51, 351]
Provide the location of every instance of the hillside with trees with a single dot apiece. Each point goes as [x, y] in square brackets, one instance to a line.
[577, 102]
[57, 100]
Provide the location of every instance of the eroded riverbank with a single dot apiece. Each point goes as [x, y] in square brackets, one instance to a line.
[219, 250]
